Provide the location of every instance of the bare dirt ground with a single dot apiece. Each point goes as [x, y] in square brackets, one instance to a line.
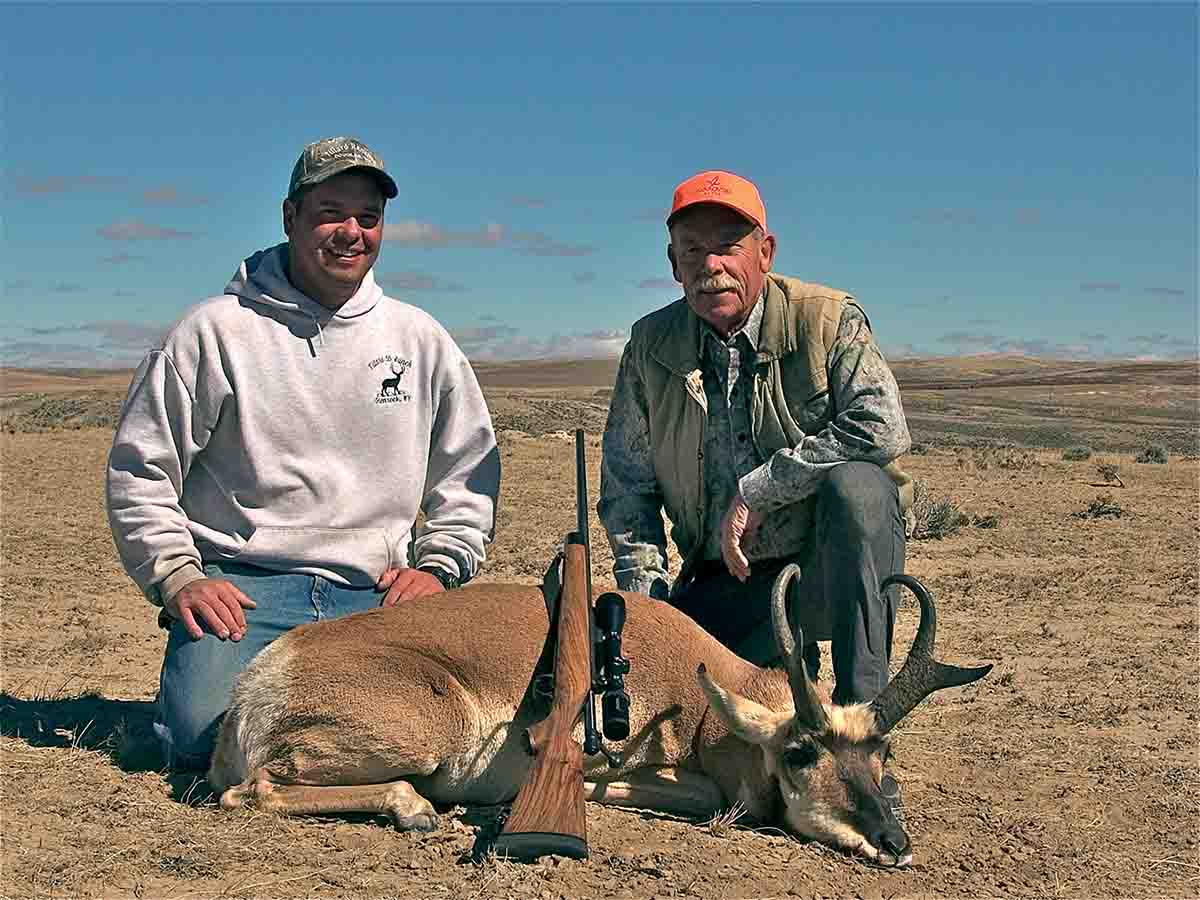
[1071, 771]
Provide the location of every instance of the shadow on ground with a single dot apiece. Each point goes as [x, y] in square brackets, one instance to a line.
[123, 730]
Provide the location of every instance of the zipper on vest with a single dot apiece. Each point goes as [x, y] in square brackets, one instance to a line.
[694, 382]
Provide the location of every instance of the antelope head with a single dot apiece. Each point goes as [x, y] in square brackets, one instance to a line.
[828, 760]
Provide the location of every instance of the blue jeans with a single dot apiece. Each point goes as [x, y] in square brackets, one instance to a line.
[197, 677]
[857, 542]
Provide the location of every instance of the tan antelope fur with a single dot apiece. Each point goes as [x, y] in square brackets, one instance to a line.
[395, 709]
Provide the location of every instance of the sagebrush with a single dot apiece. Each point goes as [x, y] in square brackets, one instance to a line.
[1154, 453]
[934, 517]
[1103, 507]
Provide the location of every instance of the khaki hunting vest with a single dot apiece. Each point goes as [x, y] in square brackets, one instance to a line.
[790, 395]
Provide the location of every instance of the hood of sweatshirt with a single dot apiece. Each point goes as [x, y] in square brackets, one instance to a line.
[262, 278]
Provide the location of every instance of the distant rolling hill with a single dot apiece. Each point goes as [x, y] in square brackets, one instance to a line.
[941, 373]
[948, 401]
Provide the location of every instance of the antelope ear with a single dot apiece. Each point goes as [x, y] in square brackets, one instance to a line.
[750, 721]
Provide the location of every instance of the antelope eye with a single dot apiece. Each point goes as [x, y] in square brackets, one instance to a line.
[801, 756]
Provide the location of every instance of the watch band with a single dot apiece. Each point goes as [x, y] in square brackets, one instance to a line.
[449, 581]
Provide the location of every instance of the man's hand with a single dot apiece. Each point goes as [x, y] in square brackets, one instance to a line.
[218, 604]
[740, 522]
[403, 585]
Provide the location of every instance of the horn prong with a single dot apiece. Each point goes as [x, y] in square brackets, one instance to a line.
[921, 674]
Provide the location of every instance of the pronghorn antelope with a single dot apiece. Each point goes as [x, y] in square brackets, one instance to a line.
[388, 710]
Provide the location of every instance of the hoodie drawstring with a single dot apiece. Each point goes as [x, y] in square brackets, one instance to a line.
[320, 336]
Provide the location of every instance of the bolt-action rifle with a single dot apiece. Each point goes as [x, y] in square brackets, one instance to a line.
[548, 815]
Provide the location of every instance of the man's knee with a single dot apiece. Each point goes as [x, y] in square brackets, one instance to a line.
[195, 689]
[858, 498]
[187, 725]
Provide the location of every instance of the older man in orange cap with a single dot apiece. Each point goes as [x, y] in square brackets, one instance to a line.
[758, 411]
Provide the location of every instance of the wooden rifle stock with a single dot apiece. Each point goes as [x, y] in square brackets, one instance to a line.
[548, 814]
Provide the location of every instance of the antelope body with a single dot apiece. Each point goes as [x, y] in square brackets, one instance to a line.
[387, 710]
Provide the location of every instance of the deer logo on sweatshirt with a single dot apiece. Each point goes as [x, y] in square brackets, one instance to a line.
[389, 387]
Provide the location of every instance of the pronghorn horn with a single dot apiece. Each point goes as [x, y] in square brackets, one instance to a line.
[809, 710]
[921, 674]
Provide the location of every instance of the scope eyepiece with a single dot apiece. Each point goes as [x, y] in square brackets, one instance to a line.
[615, 709]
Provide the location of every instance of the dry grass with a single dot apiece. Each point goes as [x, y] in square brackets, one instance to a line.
[721, 825]
[1069, 772]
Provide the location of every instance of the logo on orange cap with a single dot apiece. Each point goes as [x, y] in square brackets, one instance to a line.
[724, 188]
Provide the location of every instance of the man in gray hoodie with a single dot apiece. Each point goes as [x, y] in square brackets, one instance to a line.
[274, 452]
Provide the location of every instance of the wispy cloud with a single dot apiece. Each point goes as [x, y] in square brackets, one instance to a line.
[1166, 345]
[584, 277]
[1091, 346]
[498, 342]
[134, 230]
[938, 301]
[895, 351]
[658, 284]
[1093, 286]
[947, 217]
[528, 202]
[419, 281]
[652, 214]
[1024, 217]
[113, 344]
[64, 287]
[120, 259]
[536, 243]
[168, 195]
[966, 343]
[113, 334]
[62, 184]
[426, 234]
[1166, 291]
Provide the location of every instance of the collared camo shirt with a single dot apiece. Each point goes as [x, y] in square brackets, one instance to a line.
[868, 424]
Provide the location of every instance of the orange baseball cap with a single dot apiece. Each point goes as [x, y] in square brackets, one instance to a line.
[724, 188]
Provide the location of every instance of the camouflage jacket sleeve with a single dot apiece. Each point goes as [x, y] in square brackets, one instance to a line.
[630, 506]
[867, 422]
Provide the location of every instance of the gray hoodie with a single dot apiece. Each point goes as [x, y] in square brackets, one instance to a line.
[272, 431]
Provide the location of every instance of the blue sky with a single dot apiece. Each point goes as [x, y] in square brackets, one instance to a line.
[985, 178]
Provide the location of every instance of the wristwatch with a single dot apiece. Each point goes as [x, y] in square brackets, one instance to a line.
[449, 582]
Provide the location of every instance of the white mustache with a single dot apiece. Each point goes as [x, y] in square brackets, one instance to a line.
[715, 285]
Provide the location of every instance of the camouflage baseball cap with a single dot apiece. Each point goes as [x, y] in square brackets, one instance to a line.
[331, 156]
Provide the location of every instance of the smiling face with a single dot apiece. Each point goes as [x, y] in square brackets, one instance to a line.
[721, 259]
[334, 231]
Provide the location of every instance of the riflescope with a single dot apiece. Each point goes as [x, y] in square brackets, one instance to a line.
[614, 702]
